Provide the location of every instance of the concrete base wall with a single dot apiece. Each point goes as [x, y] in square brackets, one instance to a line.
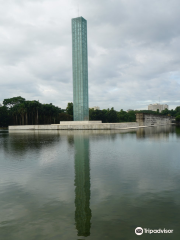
[156, 121]
[78, 122]
[145, 119]
[98, 126]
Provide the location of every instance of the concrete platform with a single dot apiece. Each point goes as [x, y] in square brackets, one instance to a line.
[86, 126]
[79, 122]
[89, 126]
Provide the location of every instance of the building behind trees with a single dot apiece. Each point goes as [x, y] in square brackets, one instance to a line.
[156, 106]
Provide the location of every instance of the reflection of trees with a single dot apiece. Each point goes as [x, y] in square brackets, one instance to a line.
[178, 131]
[4, 134]
[25, 141]
[70, 139]
[140, 133]
[158, 132]
[82, 183]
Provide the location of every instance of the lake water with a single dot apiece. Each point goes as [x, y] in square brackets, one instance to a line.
[91, 185]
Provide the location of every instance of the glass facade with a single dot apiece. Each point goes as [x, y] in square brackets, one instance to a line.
[80, 69]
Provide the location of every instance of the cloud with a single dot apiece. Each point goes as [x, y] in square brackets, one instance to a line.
[133, 51]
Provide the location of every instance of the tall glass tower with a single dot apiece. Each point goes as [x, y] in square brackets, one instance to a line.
[80, 69]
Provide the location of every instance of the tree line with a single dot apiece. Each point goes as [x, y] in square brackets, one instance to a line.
[19, 111]
[111, 115]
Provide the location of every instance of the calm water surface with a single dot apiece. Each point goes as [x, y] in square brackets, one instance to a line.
[89, 184]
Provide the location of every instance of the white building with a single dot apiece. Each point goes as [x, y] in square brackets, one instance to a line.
[129, 110]
[95, 108]
[156, 106]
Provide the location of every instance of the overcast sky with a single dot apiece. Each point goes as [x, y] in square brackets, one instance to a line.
[133, 51]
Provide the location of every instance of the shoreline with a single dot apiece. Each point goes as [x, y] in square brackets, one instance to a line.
[97, 126]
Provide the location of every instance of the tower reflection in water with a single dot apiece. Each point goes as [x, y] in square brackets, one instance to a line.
[82, 185]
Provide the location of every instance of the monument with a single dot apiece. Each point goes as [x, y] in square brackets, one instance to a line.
[80, 91]
[80, 69]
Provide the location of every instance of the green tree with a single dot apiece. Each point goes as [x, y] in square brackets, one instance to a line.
[178, 118]
[122, 116]
[112, 116]
[131, 116]
[69, 108]
[95, 114]
[65, 117]
[10, 102]
[165, 112]
[4, 117]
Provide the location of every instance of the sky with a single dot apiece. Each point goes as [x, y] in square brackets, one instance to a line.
[133, 51]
